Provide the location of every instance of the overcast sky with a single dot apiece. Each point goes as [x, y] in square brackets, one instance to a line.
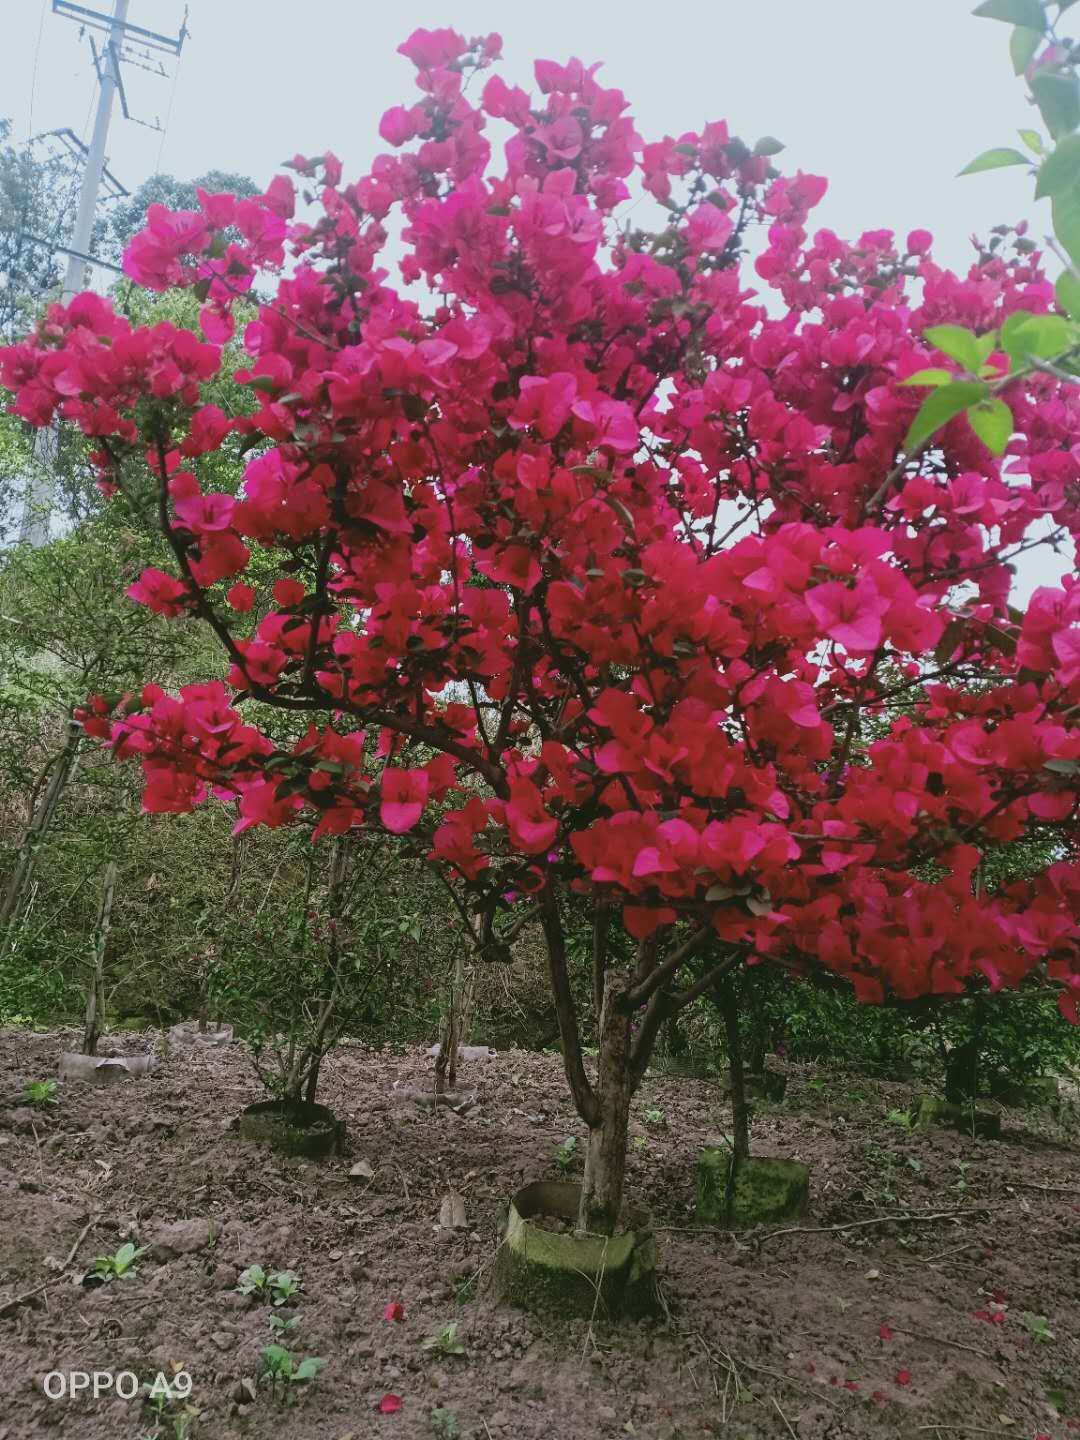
[888, 98]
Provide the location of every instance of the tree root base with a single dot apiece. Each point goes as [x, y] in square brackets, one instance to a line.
[594, 1276]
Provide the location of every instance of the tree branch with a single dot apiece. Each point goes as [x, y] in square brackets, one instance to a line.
[581, 1089]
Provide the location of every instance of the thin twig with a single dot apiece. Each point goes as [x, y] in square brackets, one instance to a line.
[908, 1217]
[78, 1241]
[1049, 1189]
[965, 1429]
[783, 1417]
[944, 1340]
[17, 1300]
[953, 1250]
[733, 1364]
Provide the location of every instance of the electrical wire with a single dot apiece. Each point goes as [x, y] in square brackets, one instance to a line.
[168, 117]
[34, 72]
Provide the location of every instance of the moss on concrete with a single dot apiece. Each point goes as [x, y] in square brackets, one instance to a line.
[933, 1110]
[573, 1274]
[300, 1129]
[767, 1190]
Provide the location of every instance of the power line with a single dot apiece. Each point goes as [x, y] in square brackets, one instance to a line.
[33, 73]
[168, 112]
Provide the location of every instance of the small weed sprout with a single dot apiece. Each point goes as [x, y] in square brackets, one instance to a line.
[445, 1424]
[445, 1341]
[1037, 1327]
[115, 1267]
[280, 1369]
[278, 1286]
[252, 1281]
[40, 1094]
[564, 1153]
[656, 1118]
[284, 1286]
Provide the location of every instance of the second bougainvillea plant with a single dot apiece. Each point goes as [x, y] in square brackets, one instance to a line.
[598, 557]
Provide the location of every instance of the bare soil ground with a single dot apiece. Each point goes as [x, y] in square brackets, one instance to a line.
[844, 1329]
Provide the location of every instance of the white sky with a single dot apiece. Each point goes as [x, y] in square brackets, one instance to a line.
[888, 98]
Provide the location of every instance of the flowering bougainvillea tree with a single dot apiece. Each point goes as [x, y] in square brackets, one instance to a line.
[590, 549]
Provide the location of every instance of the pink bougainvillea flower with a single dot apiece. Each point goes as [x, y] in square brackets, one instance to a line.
[404, 793]
[241, 597]
[288, 592]
[903, 1377]
[390, 1404]
[395, 1310]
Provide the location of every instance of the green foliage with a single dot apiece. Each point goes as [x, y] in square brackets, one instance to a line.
[445, 1340]
[280, 1287]
[127, 217]
[38, 195]
[115, 1267]
[1037, 1327]
[1015, 12]
[943, 405]
[992, 421]
[40, 1094]
[280, 1369]
[998, 159]
[566, 1153]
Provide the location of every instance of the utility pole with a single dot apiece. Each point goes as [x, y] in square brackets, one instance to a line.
[109, 71]
[118, 30]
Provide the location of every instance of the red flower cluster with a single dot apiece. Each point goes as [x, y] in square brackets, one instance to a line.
[603, 530]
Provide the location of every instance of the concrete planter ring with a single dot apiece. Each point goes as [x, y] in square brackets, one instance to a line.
[571, 1274]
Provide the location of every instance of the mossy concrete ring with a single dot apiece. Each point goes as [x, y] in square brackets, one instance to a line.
[767, 1191]
[967, 1118]
[573, 1274]
[292, 1128]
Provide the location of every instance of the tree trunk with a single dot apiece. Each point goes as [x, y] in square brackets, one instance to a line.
[728, 996]
[95, 989]
[62, 768]
[457, 1019]
[605, 1155]
[303, 1075]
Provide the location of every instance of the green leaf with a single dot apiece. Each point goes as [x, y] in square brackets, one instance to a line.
[1062, 767]
[309, 1368]
[1058, 101]
[987, 344]
[929, 377]
[1040, 337]
[992, 421]
[995, 160]
[1023, 43]
[1014, 12]
[1061, 169]
[124, 1256]
[1068, 293]
[768, 145]
[1033, 140]
[939, 408]
[957, 343]
[1066, 211]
